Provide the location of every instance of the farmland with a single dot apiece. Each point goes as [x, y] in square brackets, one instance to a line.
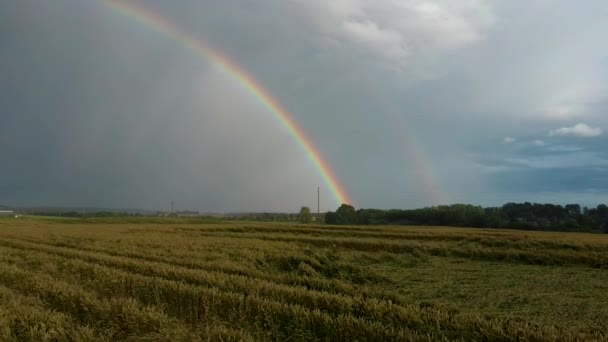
[186, 280]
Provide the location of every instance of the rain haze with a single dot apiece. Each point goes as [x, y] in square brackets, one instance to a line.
[408, 103]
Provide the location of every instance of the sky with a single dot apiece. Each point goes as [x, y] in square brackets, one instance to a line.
[411, 103]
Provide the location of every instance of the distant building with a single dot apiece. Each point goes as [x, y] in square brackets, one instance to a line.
[7, 213]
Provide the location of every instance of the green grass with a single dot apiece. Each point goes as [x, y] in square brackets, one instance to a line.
[172, 279]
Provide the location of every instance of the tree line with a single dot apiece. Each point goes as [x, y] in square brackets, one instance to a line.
[529, 216]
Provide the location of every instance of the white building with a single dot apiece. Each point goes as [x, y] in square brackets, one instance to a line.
[7, 213]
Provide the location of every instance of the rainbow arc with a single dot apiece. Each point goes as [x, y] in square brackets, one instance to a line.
[149, 18]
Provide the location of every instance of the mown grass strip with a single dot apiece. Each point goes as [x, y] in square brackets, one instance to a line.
[198, 304]
[268, 318]
[535, 256]
[225, 266]
[370, 308]
[26, 319]
[516, 241]
[120, 318]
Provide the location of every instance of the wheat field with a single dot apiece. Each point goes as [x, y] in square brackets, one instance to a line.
[147, 279]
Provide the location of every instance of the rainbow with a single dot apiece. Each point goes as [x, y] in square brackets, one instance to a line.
[422, 166]
[153, 20]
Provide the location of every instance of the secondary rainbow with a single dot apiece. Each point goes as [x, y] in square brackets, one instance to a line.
[412, 151]
[151, 19]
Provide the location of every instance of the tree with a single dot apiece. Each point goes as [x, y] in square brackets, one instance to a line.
[346, 214]
[574, 210]
[305, 216]
[330, 218]
[602, 217]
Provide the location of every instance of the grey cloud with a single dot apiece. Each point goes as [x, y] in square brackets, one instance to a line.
[398, 31]
[400, 98]
[578, 130]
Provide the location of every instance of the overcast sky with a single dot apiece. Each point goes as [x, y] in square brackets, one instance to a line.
[412, 103]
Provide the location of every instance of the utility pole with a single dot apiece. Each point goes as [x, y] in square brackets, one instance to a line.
[172, 205]
[318, 204]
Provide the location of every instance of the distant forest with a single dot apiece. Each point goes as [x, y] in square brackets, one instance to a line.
[528, 216]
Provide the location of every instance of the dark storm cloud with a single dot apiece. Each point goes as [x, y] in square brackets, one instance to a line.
[480, 101]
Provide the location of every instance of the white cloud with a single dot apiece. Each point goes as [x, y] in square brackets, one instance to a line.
[563, 112]
[562, 148]
[578, 130]
[388, 41]
[396, 30]
[570, 94]
[561, 161]
[539, 142]
[508, 140]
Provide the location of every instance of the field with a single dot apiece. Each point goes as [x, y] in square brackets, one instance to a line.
[189, 280]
